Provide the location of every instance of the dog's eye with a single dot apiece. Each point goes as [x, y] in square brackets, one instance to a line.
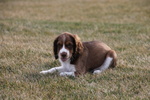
[59, 45]
[69, 45]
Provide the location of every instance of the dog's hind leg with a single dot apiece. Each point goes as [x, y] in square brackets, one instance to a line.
[110, 61]
[112, 54]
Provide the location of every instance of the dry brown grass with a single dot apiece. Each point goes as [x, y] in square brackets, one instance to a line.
[127, 11]
[27, 31]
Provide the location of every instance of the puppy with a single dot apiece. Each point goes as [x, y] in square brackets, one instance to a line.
[78, 58]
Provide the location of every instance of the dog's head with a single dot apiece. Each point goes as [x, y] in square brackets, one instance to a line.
[67, 46]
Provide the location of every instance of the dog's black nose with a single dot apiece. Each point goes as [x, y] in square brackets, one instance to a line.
[63, 54]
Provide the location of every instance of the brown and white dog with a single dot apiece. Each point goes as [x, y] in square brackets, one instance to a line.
[78, 57]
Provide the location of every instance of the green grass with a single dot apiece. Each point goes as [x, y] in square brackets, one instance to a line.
[29, 27]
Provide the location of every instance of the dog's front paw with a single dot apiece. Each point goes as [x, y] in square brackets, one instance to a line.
[97, 72]
[67, 74]
[43, 72]
[63, 74]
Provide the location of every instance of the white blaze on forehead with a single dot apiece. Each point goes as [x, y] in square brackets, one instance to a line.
[63, 49]
[64, 39]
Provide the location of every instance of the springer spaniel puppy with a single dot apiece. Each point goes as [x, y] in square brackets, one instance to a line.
[78, 57]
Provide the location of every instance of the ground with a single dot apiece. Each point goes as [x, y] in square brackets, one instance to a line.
[29, 27]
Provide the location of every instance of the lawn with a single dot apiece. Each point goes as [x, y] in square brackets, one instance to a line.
[29, 27]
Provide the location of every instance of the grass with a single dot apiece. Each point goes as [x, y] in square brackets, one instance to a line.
[27, 31]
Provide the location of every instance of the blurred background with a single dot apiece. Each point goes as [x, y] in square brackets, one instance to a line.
[29, 27]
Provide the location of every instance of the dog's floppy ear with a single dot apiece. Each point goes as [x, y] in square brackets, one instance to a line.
[79, 45]
[78, 48]
[55, 48]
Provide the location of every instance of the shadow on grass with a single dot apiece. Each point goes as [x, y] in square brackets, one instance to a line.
[37, 77]
[34, 76]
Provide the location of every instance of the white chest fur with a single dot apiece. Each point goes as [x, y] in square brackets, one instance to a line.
[68, 69]
[67, 66]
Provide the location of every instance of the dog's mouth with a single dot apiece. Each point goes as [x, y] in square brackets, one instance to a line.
[64, 59]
